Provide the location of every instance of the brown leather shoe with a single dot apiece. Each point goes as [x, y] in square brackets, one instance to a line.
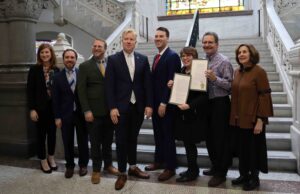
[216, 181]
[154, 166]
[112, 170]
[120, 183]
[166, 174]
[95, 179]
[69, 173]
[83, 171]
[135, 171]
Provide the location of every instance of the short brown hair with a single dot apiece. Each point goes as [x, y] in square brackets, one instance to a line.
[72, 50]
[215, 35]
[163, 29]
[189, 51]
[101, 40]
[53, 57]
[254, 55]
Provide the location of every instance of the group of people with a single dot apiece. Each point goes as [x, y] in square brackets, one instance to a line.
[113, 95]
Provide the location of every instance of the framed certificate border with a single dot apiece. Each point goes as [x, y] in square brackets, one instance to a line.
[198, 78]
[180, 89]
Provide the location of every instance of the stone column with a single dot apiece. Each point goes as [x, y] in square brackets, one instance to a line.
[17, 31]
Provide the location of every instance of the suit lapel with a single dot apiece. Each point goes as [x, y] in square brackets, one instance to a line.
[162, 58]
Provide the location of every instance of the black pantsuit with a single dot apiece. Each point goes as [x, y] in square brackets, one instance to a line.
[127, 131]
[45, 128]
[218, 135]
[78, 122]
[101, 135]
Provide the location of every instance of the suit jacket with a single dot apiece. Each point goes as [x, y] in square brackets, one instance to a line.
[168, 64]
[37, 96]
[63, 97]
[91, 88]
[119, 86]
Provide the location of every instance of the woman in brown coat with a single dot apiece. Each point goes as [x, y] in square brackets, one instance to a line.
[251, 105]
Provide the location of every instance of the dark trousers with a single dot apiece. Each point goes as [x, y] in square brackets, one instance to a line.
[218, 135]
[252, 152]
[76, 122]
[165, 148]
[191, 155]
[46, 129]
[101, 135]
[127, 131]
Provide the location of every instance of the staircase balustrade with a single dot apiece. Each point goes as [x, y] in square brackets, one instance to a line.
[280, 44]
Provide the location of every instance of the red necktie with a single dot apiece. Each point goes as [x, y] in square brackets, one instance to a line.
[157, 57]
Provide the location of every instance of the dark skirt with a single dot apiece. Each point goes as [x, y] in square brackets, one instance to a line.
[252, 150]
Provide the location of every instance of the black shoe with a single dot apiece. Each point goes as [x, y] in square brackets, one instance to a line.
[183, 173]
[186, 178]
[69, 173]
[216, 181]
[209, 172]
[240, 180]
[52, 167]
[252, 184]
[45, 171]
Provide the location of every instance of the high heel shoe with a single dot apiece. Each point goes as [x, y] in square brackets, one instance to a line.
[45, 171]
[52, 167]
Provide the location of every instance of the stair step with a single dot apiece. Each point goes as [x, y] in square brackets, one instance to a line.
[275, 141]
[276, 124]
[277, 160]
[279, 97]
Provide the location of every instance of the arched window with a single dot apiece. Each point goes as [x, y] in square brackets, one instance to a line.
[181, 7]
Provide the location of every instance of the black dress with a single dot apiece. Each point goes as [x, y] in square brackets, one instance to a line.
[191, 125]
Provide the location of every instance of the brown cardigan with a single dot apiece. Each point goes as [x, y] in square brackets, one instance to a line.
[250, 98]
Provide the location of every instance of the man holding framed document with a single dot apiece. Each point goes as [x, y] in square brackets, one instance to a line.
[220, 75]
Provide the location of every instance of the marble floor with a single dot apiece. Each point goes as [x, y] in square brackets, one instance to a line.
[22, 176]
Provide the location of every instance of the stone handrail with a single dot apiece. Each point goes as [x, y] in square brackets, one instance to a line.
[286, 7]
[280, 44]
[95, 17]
[114, 40]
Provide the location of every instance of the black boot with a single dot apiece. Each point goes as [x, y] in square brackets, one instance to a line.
[241, 179]
[252, 184]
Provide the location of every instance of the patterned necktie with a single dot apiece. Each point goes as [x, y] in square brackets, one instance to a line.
[157, 57]
[101, 67]
[71, 80]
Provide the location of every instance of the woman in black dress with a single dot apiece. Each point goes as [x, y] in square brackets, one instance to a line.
[39, 102]
[190, 119]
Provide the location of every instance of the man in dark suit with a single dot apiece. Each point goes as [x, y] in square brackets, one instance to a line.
[165, 64]
[129, 95]
[68, 114]
[92, 100]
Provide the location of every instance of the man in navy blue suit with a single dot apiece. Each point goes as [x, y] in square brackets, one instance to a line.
[129, 95]
[68, 114]
[165, 64]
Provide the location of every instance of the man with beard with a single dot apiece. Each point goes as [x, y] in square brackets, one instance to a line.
[92, 100]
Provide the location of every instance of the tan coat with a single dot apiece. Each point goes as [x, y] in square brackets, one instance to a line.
[250, 98]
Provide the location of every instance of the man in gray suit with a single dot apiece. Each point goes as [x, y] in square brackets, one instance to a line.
[92, 100]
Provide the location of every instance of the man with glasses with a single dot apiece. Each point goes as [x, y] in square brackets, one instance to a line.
[219, 75]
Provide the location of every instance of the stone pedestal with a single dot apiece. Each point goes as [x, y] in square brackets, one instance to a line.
[295, 128]
[17, 52]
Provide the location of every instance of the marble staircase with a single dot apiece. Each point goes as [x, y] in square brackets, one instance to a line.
[280, 156]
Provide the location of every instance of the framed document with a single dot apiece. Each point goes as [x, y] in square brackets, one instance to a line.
[198, 79]
[180, 89]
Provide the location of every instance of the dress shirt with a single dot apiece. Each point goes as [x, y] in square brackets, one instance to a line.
[223, 70]
[131, 67]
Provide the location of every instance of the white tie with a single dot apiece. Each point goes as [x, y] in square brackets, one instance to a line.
[131, 68]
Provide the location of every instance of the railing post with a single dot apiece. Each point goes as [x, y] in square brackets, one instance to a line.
[295, 128]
